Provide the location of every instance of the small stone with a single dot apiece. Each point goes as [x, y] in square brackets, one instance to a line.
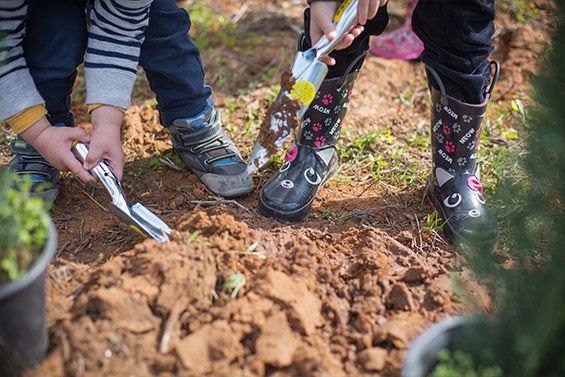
[373, 359]
[399, 298]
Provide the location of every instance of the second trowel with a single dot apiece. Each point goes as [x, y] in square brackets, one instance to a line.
[308, 73]
[137, 217]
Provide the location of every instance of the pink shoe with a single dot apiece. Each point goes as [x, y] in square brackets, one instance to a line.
[401, 44]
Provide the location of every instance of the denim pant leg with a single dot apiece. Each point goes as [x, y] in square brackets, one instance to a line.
[360, 45]
[54, 45]
[172, 63]
[457, 36]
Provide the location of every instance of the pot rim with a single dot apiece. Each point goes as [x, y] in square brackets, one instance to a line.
[40, 266]
[431, 337]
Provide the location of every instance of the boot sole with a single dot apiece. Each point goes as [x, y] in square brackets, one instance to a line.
[454, 237]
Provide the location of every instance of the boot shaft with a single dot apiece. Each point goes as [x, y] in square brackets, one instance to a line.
[321, 124]
[456, 126]
[455, 133]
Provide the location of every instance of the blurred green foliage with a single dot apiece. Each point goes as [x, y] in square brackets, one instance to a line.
[527, 337]
[23, 227]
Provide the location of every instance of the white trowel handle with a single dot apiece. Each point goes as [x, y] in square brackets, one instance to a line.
[105, 175]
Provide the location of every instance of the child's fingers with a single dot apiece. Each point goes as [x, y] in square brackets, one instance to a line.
[77, 169]
[363, 10]
[373, 9]
[78, 134]
[346, 41]
[328, 60]
[92, 158]
[327, 26]
[357, 30]
[117, 165]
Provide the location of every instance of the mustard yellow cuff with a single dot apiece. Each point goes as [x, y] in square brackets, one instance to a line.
[94, 106]
[26, 118]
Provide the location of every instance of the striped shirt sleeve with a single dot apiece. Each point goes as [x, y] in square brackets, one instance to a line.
[17, 89]
[115, 36]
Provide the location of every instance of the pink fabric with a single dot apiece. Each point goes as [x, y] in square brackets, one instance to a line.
[401, 43]
[291, 154]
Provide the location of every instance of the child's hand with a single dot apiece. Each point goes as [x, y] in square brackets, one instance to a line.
[105, 140]
[321, 22]
[55, 143]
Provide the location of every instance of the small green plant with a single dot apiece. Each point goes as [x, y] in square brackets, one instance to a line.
[251, 251]
[461, 364]
[235, 282]
[433, 223]
[192, 237]
[23, 228]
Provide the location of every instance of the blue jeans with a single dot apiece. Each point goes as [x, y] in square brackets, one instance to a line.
[457, 36]
[55, 44]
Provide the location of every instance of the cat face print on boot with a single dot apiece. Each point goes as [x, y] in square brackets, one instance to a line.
[289, 194]
[455, 189]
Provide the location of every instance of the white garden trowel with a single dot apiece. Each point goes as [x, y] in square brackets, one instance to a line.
[137, 217]
[309, 72]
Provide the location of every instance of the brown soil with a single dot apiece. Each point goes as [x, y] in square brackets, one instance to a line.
[284, 111]
[342, 293]
[314, 303]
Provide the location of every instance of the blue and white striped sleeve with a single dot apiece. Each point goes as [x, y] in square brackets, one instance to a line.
[116, 33]
[17, 89]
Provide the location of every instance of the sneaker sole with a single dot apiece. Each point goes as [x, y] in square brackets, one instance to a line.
[228, 186]
[48, 196]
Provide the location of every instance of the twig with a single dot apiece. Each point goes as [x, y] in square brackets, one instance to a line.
[170, 164]
[235, 19]
[83, 244]
[169, 328]
[76, 292]
[55, 280]
[217, 201]
[94, 200]
[62, 249]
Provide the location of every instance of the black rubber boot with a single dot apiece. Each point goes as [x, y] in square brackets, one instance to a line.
[289, 194]
[455, 188]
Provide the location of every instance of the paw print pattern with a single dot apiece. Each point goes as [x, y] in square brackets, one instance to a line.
[327, 99]
[456, 128]
[307, 134]
[451, 170]
[461, 161]
[449, 147]
[446, 130]
[320, 141]
[471, 146]
[438, 108]
[337, 109]
[440, 138]
[328, 122]
[317, 126]
[467, 118]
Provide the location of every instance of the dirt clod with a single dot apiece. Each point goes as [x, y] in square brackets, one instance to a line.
[373, 359]
[277, 343]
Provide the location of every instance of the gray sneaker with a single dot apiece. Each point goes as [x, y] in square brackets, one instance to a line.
[211, 154]
[28, 163]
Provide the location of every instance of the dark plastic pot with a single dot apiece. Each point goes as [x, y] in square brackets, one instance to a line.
[422, 355]
[23, 329]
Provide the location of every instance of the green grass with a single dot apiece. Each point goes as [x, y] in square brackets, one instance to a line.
[523, 10]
